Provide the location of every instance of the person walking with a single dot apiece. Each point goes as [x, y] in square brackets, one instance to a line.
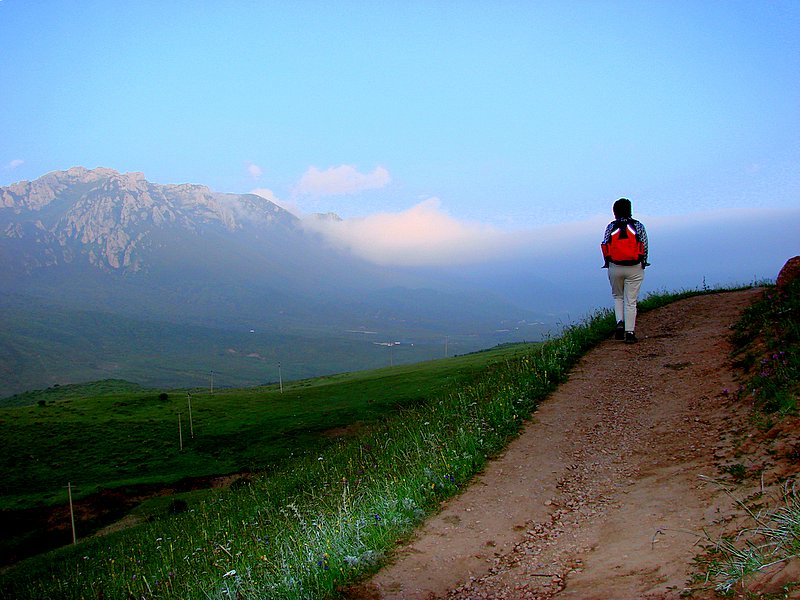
[624, 248]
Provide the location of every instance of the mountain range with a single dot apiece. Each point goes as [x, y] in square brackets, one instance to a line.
[107, 275]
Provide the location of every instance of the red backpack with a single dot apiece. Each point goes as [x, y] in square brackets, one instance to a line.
[624, 246]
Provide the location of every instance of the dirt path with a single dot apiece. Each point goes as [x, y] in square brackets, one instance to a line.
[603, 495]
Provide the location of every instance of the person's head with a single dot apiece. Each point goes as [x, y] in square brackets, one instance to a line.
[622, 208]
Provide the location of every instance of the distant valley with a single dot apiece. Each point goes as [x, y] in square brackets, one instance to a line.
[107, 275]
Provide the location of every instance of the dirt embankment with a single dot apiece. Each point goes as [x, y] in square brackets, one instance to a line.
[45, 528]
[614, 486]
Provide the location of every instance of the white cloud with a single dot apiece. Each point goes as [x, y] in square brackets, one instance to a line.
[17, 162]
[421, 235]
[254, 170]
[344, 179]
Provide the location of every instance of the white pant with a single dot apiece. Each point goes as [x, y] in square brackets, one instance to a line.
[625, 283]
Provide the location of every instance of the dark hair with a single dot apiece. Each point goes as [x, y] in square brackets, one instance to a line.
[622, 208]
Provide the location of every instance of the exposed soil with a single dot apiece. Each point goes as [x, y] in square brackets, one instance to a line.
[44, 528]
[618, 481]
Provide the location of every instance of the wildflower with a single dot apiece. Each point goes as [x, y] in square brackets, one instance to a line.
[323, 562]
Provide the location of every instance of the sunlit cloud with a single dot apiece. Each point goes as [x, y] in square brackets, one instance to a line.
[344, 179]
[421, 235]
[17, 162]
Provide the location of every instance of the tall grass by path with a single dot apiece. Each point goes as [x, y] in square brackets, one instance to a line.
[327, 519]
[767, 349]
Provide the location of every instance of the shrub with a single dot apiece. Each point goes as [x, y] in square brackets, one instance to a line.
[767, 348]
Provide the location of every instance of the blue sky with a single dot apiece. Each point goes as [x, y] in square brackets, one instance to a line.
[444, 126]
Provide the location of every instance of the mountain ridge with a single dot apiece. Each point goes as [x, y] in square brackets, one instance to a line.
[111, 212]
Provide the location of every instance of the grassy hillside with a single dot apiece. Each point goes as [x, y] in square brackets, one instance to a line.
[123, 434]
[326, 514]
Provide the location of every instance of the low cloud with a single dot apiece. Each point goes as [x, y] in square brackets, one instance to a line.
[725, 246]
[685, 250]
[337, 181]
[420, 236]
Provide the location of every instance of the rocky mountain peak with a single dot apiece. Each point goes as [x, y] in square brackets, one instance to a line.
[111, 217]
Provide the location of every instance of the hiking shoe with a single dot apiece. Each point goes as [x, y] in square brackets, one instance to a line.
[619, 333]
[630, 337]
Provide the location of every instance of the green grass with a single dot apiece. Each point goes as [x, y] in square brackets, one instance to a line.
[329, 513]
[105, 438]
[74, 391]
[767, 344]
[113, 435]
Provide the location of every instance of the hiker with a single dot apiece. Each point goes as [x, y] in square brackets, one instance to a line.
[625, 254]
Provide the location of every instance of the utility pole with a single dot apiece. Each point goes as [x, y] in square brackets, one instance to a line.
[180, 430]
[280, 377]
[71, 512]
[212, 382]
[191, 425]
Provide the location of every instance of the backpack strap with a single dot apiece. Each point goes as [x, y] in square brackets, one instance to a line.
[625, 225]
